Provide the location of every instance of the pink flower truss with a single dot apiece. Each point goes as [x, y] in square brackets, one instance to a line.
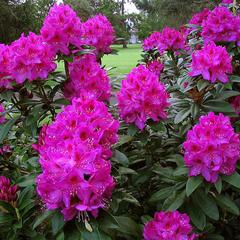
[5, 64]
[156, 67]
[220, 26]
[62, 28]
[171, 40]
[198, 18]
[31, 59]
[73, 155]
[236, 104]
[169, 226]
[152, 41]
[99, 33]
[8, 192]
[87, 76]
[141, 97]
[2, 116]
[212, 147]
[212, 62]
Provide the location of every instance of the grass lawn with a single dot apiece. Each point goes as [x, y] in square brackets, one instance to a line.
[123, 62]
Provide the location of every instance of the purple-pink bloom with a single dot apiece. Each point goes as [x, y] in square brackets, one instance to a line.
[31, 58]
[74, 152]
[156, 67]
[2, 115]
[62, 28]
[198, 18]
[212, 148]
[86, 75]
[220, 26]
[171, 40]
[8, 192]
[5, 65]
[141, 97]
[99, 33]
[169, 226]
[5, 149]
[212, 62]
[227, 1]
[152, 41]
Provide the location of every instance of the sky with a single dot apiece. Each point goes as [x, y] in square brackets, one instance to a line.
[131, 8]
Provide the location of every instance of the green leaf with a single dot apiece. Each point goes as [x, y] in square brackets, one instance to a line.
[234, 179]
[227, 204]
[132, 130]
[57, 223]
[5, 128]
[7, 206]
[206, 203]
[215, 237]
[26, 180]
[25, 197]
[6, 218]
[197, 216]
[40, 219]
[126, 171]
[174, 202]
[182, 115]
[201, 84]
[227, 94]
[180, 171]
[121, 158]
[129, 226]
[218, 106]
[123, 139]
[192, 184]
[218, 185]
[161, 194]
[235, 78]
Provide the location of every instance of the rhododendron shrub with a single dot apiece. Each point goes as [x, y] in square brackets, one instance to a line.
[84, 156]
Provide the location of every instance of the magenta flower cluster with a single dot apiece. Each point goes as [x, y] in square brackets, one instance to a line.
[5, 66]
[198, 18]
[87, 76]
[169, 226]
[31, 59]
[8, 192]
[74, 152]
[2, 115]
[212, 62]
[171, 40]
[212, 147]
[156, 67]
[99, 33]
[62, 28]
[151, 42]
[221, 26]
[141, 97]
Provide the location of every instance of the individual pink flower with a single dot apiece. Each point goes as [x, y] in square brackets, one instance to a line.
[62, 28]
[169, 226]
[86, 75]
[156, 67]
[151, 42]
[8, 192]
[2, 115]
[236, 104]
[5, 149]
[142, 97]
[32, 59]
[74, 152]
[198, 18]
[212, 148]
[99, 33]
[171, 40]
[220, 26]
[212, 62]
[5, 65]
